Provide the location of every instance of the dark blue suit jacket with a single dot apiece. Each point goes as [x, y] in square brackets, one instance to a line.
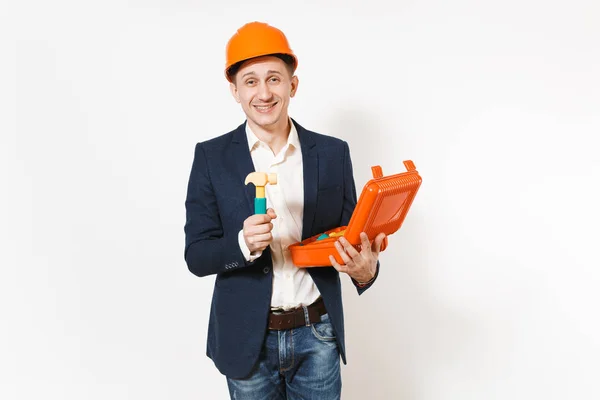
[217, 204]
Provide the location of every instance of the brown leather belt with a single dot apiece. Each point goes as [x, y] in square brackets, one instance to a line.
[295, 317]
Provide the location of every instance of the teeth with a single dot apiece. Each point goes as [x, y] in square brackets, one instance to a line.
[264, 107]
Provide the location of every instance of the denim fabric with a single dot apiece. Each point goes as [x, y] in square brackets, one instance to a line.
[294, 364]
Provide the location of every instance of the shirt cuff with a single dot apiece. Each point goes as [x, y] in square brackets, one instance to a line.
[245, 250]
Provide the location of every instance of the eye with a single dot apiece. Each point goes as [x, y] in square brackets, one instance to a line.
[274, 79]
[250, 82]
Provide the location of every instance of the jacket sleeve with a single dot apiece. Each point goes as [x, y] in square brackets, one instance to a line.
[349, 205]
[207, 250]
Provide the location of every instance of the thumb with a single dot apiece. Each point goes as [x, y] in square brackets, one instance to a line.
[376, 247]
[271, 213]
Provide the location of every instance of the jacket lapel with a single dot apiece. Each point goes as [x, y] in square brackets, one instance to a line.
[241, 158]
[310, 162]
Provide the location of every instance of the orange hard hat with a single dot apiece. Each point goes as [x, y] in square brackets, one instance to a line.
[256, 39]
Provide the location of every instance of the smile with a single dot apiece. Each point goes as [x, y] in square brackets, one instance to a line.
[265, 108]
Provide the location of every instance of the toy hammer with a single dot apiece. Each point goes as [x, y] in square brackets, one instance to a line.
[260, 180]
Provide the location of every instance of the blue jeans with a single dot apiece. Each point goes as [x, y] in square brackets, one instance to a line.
[300, 363]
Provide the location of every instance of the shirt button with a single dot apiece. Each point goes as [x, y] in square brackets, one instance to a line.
[266, 270]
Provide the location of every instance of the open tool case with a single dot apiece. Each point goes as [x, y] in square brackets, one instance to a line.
[382, 207]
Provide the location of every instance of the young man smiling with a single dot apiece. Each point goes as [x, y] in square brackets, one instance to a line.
[275, 331]
[264, 86]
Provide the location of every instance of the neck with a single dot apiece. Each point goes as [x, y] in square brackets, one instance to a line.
[274, 136]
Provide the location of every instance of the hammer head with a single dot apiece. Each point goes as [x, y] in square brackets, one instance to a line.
[261, 179]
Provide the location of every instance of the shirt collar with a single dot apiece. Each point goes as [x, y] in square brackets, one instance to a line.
[292, 140]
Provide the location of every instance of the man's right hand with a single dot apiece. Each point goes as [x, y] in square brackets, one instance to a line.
[257, 230]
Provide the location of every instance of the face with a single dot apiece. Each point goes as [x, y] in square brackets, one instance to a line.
[264, 86]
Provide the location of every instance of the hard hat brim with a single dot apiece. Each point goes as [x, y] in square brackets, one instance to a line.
[239, 63]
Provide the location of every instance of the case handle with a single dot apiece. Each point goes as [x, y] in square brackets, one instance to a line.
[377, 172]
[410, 166]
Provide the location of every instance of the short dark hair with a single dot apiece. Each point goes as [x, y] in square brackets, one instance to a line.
[286, 58]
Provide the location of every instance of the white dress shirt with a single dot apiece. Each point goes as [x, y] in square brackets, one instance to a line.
[292, 286]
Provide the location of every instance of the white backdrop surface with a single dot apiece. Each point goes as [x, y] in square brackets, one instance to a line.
[489, 290]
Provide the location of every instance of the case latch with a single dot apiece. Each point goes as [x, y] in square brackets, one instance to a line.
[410, 166]
[377, 172]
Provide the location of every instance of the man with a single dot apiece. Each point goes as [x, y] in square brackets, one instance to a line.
[275, 331]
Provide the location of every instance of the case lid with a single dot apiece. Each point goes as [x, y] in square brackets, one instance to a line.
[383, 203]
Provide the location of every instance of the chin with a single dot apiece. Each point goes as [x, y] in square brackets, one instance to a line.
[266, 121]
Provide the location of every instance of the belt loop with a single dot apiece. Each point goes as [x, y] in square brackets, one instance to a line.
[306, 317]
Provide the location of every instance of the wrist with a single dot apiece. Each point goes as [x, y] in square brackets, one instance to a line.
[365, 283]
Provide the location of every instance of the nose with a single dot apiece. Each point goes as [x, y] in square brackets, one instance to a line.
[264, 93]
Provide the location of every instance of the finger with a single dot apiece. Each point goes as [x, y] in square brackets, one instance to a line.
[338, 267]
[342, 252]
[262, 245]
[258, 219]
[365, 244]
[262, 228]
[271, 213]
[256, 239]
[352, 252]
[377, 243]
[258, 229]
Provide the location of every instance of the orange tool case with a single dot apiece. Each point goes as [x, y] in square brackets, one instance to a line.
[382, 207]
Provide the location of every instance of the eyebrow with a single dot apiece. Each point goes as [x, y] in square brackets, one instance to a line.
[269, 72]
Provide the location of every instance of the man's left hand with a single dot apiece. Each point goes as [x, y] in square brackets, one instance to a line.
[359, 265]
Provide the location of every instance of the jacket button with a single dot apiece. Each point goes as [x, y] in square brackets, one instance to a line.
[266, 270]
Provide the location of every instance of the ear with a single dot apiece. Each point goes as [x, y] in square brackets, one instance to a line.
[234, 91]
[294, 85]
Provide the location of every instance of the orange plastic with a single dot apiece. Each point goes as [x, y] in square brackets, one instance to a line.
[256, 39]
[382, 207]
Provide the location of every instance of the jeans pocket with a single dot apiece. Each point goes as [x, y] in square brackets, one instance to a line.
[323, 330]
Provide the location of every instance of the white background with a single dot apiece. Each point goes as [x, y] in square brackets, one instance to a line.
[489, 290]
